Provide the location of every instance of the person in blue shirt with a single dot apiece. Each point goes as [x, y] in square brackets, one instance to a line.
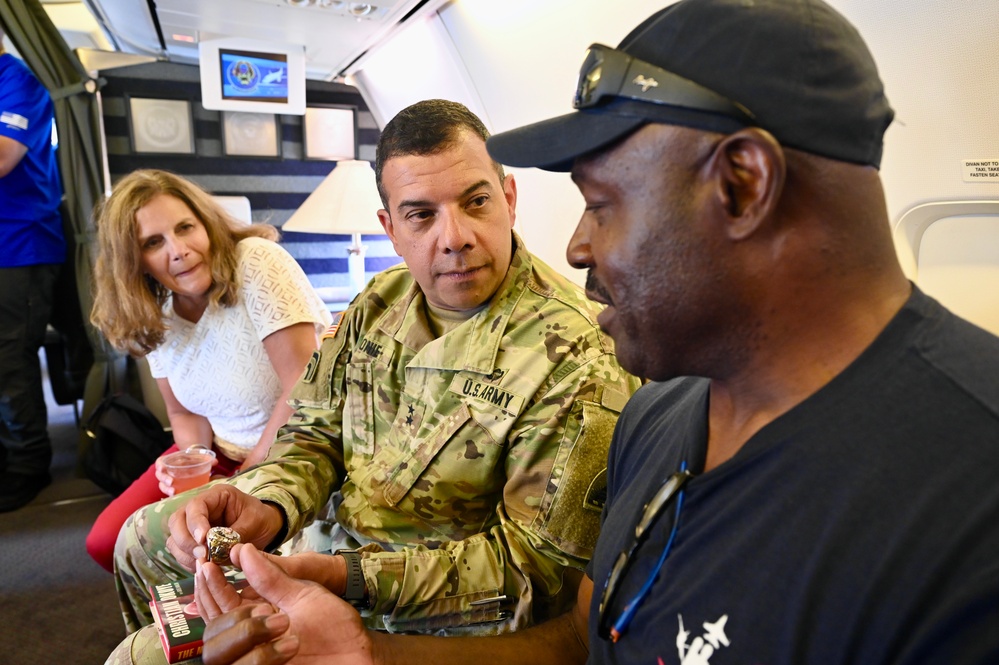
[34, 249]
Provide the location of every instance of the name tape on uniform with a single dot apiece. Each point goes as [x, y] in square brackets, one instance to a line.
[484, 391]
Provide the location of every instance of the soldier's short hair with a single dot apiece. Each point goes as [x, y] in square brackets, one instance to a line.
[426, 128]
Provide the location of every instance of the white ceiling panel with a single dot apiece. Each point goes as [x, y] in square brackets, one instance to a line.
[334, 32]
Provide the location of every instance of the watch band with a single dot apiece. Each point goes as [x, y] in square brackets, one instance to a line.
[355, 592]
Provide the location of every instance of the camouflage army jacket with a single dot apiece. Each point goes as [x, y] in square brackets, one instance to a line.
[472, 464]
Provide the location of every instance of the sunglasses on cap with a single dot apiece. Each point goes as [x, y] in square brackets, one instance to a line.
[609, 73]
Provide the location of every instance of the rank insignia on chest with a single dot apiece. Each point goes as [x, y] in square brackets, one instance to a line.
[410, 416]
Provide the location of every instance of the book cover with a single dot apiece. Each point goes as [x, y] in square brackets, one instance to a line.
[180, 627]
[181, 633]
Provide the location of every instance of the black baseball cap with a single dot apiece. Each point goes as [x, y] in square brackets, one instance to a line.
[796, 68]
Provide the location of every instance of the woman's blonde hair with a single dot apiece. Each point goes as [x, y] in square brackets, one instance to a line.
[128, 303]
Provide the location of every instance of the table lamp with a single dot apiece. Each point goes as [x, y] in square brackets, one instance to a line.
[346, 202]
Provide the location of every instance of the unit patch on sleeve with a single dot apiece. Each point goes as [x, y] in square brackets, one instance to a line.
[310, 369]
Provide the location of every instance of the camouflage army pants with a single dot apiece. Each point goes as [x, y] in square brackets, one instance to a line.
[141, 559]
[140, 648]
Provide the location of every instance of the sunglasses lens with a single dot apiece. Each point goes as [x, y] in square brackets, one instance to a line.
[589, 79]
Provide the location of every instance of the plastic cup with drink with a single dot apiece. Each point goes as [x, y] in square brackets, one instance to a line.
[188, 468]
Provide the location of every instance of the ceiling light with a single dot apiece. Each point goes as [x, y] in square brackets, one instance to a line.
[298, 3]
[361, 8]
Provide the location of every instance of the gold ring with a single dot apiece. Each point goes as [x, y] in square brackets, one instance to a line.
[220, 540]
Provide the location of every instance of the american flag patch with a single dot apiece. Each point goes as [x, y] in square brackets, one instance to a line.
[331, 331]
[13, 120]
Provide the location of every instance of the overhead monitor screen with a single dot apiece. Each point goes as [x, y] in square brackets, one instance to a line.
[253, 76]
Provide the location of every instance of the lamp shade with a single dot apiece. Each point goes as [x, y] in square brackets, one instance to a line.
[346, 202]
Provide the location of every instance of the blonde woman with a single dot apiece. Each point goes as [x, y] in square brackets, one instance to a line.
[224, 315]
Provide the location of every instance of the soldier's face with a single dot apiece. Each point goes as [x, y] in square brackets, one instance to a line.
[451, 218]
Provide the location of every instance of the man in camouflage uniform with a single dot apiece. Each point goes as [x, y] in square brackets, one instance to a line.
[460, 409]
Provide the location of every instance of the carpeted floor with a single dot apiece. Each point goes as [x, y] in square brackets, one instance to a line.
[57, 606]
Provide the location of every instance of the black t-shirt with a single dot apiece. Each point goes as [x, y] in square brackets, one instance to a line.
[860, 527]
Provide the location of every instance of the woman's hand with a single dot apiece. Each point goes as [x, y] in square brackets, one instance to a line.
[166, 480]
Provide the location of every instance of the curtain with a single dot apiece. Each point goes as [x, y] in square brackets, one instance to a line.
[81, 166]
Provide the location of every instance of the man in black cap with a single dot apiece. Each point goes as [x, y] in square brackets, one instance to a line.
[827, 492]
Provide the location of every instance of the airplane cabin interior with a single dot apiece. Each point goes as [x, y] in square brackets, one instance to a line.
[342, 70]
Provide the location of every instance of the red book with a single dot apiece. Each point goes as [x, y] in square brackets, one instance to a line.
[180, 627]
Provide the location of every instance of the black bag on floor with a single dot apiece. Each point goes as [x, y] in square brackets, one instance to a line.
[126, 439]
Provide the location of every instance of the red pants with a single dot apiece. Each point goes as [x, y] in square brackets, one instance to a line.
[142, 492]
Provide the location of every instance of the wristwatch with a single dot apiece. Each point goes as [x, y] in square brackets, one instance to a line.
[355, 592]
